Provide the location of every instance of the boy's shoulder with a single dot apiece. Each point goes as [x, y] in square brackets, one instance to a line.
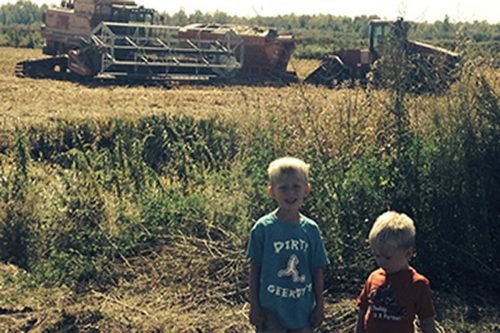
[411, 274]
[309, 221]
[418, 278]
[267, 219]
[271, 219]
[264, 222]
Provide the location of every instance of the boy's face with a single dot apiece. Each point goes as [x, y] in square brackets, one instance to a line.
[289, 190]
[394, 260]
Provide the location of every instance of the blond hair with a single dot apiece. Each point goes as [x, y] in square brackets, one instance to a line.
[392, 230]
[287, 165]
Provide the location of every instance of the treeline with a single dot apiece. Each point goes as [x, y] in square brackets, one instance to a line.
[21, 12]
[315, 34]
[19, 35]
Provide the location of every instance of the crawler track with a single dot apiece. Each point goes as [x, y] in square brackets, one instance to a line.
[47, 68]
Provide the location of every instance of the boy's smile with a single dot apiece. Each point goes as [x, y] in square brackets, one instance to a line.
[289, 191]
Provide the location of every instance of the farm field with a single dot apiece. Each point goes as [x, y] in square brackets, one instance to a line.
[41, 101]
[132, 209]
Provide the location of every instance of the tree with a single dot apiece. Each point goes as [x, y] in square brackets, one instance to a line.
[21, 12]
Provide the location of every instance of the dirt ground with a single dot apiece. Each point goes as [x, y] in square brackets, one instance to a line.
[186, 285]
[189, 285]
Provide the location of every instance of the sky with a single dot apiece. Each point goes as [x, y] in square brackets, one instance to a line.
[412, 10]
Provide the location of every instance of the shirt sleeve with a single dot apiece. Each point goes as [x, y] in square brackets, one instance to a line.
[362, 301]
[320, 256]
[425, 307]
[255, 246]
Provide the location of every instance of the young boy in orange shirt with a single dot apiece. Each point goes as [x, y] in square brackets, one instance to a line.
[394, 293]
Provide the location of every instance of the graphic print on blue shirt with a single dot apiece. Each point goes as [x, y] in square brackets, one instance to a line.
[287, 255]
[291, 270]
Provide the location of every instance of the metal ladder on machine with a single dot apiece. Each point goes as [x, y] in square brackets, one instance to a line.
[143, 52]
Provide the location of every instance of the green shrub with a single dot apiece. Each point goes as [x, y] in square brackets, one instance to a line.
[18, 215]
[123, 186]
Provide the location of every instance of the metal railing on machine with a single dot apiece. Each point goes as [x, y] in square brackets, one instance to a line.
[138, 51]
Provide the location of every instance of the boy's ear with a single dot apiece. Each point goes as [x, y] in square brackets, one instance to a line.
[411, 253]
[270, 190]
[308, 188]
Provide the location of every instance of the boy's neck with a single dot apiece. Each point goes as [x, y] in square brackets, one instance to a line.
[402, 269]
[288, 216]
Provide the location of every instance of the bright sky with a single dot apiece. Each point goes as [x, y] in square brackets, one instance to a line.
[414, 10]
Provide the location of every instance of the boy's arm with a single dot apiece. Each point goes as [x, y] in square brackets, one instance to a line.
[318, 314]
[427, 325]
[360, 324]
[426, 311]
[256, 315]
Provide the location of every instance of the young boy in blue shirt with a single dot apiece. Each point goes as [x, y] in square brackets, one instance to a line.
[287, 257]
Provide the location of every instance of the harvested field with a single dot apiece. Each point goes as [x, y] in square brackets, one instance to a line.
[32, 101]
[197, 282]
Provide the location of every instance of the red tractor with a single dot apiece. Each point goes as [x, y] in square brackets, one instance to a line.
[432, 65]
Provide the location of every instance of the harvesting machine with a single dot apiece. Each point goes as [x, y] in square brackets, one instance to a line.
[119, 40]
[432, 65]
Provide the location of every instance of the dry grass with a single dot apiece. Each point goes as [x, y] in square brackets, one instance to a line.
[30, 101]
[187, 284]
[314, 111]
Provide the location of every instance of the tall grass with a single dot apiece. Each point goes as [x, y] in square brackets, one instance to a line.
[82, 194]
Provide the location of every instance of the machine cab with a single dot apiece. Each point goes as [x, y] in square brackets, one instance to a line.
[125, 14]
[377, 33]
[380, 31]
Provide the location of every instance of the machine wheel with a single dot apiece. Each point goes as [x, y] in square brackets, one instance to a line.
[48, 68]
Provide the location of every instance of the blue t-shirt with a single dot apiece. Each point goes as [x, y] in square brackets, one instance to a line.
[287, 255]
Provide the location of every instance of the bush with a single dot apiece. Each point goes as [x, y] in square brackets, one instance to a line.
[116, 189]
[18, 215]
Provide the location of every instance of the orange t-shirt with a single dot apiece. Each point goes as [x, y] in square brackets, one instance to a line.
[392, 300]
